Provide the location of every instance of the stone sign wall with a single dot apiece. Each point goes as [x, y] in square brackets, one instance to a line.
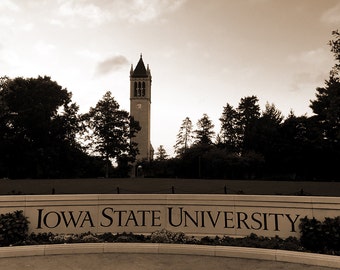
[201, 215]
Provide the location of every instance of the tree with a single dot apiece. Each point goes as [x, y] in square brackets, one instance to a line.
[265, 136]
[299, 153]
[335, 49]
[272, 114]
[38, 127]
[204, 132]
[161, 153]
[184, 136]
[248, 111]
[110, 132]
[229, 136]
[326, 106]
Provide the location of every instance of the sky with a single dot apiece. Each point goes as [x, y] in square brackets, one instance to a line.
[202, 54]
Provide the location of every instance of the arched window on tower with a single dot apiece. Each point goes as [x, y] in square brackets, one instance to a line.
[139, 89]
[135, 89]
[143, 89]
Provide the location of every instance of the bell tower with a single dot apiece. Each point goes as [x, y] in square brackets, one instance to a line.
[140, 107]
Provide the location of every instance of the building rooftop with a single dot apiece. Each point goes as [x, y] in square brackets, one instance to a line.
[140, 70]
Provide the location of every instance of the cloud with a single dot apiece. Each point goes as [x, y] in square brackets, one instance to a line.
[28, 27]
[8, 5]
[316, 57]
[94, 14]
[315, 64]
[88, 54]
[111, 64]
[9, 57]
[44, 48]
[103, 11]
[332, 15]
[146, 10]
[6, 21]
[307, 81]
[56, 22]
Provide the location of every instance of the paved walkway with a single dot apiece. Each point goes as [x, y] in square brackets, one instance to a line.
[117, 261]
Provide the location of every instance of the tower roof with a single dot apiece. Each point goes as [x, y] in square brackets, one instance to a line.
[140, 70]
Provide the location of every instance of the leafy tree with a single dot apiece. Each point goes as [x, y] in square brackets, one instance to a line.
[161, 153]
[184, 136]
[38, 127]
[229, 136]
[204, 132]
[110, 132]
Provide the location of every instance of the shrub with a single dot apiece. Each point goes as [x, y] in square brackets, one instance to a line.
[165, 236]
[212, 241]
[88, 238]
[40, 238]
[323, 237]
[107, 237]
[331, 233]
[13, 228]
[311, 234]
[291, 243]
[130, 237]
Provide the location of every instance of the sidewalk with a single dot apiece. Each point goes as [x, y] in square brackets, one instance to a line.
[117, 261]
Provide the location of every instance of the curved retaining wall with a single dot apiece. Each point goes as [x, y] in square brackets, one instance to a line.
[216, 251]
[233, 215]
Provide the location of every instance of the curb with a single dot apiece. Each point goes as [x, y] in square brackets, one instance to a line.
[174, 249]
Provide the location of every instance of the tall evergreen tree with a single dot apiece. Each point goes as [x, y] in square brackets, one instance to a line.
[184, 136]
[326, 120]
[249, 112]
[326, 106]
[272, 114]
[204, 132]
[335, 49]
[161, 153]
[229, 136]
[265, 138]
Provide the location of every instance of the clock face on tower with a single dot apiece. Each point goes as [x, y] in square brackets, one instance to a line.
[139, 106]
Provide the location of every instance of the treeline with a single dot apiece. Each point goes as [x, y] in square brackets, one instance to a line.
[42, 135]
[254, 144]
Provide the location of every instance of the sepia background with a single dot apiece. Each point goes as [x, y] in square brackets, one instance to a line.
[202, 54]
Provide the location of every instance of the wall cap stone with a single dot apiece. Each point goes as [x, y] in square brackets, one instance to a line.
[178, 249]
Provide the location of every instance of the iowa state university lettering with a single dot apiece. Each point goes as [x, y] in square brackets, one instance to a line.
[54, 219]
[179, 217]
[126, 218]
[109, 217]
[172, 217]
